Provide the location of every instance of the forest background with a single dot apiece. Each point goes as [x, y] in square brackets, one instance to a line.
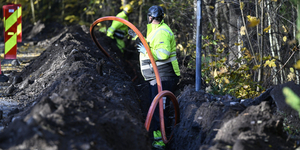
[247, 46]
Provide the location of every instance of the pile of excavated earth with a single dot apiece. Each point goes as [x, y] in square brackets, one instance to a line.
[73, 97]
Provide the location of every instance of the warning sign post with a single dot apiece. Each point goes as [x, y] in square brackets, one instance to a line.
[12, 20]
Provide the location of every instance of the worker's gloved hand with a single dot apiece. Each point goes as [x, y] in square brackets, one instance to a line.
[131, 33]
[141, 48]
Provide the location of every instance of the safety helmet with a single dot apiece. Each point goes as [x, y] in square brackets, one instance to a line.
[128, 8]
[156, 12]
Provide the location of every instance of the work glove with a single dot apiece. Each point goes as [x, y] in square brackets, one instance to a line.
[141, 48]
[131, 33]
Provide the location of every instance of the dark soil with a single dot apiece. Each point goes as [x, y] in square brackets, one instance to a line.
[73, 97]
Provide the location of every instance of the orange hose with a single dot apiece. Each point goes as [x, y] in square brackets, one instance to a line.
[158, 80]
[161, 112]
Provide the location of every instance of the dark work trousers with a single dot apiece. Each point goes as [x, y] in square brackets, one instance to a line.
[167, 84]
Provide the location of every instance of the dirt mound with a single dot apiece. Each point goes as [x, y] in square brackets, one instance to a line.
[73, 97]
[222, 122]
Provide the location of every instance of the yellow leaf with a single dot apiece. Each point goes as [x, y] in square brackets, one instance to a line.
[222, 1]
[214, 30]
[284, 39]
[256, 67]
[220, 50]
[220, 36]
[267, 57]
[237, 44]
[90, 12]
[243, 49]
[213, 63]
[253, 21]
[69, 6]
[297, 65]
[224, 45]
[291, 76]
[223, 70]
[243, 30]
[211, 7]
[247, 54]
[274, 0]
[242, 5]
[214, 73]
[270, 63]
[140, 2]
[223, 60]
[131, 3]
[246, 86]
[242, 93]
[284, 29]
[226, 80]
[267, 29]
[244, 67]
[180, 47]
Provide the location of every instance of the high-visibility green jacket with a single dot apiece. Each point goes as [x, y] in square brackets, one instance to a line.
[118, 26]
[162, 44]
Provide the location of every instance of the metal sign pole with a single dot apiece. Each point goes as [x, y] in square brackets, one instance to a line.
[198, 46]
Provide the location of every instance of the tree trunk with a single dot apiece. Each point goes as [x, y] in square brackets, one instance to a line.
[32, 10]
[62, 10]
[261, 46]
[274, 71]
[294, 34]
[232, 37]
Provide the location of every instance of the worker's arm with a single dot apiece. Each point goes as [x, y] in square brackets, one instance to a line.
[160, 46]
[114, 26]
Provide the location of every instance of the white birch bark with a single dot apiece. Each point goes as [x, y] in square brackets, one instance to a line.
[272, 48]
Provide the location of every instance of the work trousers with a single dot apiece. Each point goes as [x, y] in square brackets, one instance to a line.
[170, 85]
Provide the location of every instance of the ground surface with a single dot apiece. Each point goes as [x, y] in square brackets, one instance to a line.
[73, 97]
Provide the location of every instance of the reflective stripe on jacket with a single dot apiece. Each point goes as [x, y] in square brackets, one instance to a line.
[118, 26]
[163, 48]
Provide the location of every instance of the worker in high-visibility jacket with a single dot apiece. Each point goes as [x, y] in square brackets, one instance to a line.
[162, 44]
[118, 30]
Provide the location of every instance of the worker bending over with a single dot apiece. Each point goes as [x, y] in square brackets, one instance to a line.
[118, 30]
